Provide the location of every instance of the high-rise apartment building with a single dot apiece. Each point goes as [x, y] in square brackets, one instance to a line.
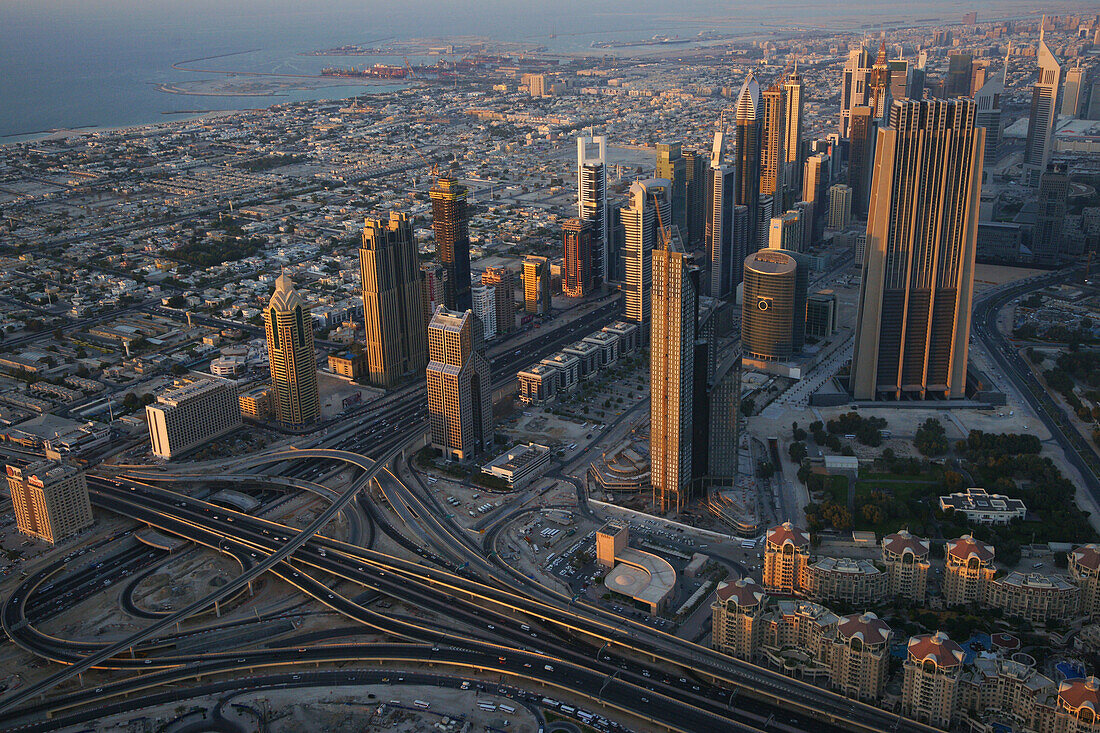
[396, 343]
[460, 388]
[592, 202]
[913, 326]
[749, 117]
[432, 276]
[1073, 92]
[930, 687]
[672, 374]
[815, 185]
[291, 356]
[190, 413]
[773, 134]
[785, 232]
[451, 226]
[737, 618]
[576, 279]
[854, 86]
[1050, 217]
[672, 165]
[640, 223]
[1040, 128]
[906, 559]
[485, 308]
[503, 282]
[773, 311]
[968, 571]
[786, 556]
[696, 166]
[536, 285]
[988, 115]
[49, 498]
[720, 235]
[1084, 568]
[793, 108]
[840, 206]
[860, 156]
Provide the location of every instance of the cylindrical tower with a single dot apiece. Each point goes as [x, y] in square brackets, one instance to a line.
[768, 307]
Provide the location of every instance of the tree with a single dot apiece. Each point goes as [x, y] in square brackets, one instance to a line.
[748, 406]
[931, 438]
[797, 451]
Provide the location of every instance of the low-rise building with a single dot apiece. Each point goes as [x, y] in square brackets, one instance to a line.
[628, 336]
[588, 357]
[538, 384]
[190, 414]
[350, 364]
[608, 345]
[984, 508]
[1036, 597]
[520, 465]
[569, 370]
[49, 498]
[856, 582]
[256, 403]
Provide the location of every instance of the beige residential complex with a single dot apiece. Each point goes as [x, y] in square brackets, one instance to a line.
[855, 582]
[1036, 597]
[907, 566]
[1078, 706]
[860, 656]
[503, 282]
[671, 377]
[786, 555]
[1084, 568]
[968, 572]
[933, 666]
[536, 285]
[737, 626]
[460, 405]
[913, 326]
[396, 344]
[191, 413]
[50, 499]
[291, 356]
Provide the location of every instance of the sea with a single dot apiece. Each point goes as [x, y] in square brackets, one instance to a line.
[87, 64]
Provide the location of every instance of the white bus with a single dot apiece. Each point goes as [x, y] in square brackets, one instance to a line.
[507, 709]
[423, 705]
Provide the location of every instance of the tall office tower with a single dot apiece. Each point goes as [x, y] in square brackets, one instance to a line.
[672, 165]
[432, 276]
[773, 309]
[640, 223]
[815, 184]
[785, 232]
[979, 73]
[793, 104]
[878, 84]
[536, 285]
[773, 134]
[747, 161]
[960, 66]
[840, 206]
[451, 224]
[1073, 92]
[917, 75]
[672, 374]
[393, 314]
[697, 191]
[291, 356]
[988, 115]
[616, 243]
[913, 326]
[806, 216]
[503, 282]
[767, 207]
[576, 280]
[1051, 217]
[190, 413]
[50, 499]
[592, 202]
[854, 86]
[719, 222]
[899, 78]
[460, 387]
[1040, 128]
[485, 308]
[860, 155]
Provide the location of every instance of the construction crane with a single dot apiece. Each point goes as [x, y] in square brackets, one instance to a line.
[666, 235]
[408, 68]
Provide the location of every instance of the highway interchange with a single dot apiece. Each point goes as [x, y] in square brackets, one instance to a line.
[486, 616]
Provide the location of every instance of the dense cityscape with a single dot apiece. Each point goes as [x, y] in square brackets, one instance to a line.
[722, 382]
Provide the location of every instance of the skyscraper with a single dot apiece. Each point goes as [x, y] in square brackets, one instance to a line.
[815, 184]
[840, 206]
[785, 232]
[576, 281]
[672, 165]
[988, 115]
[503, 282]
[860, 152]
[1040, 128]
[773, 159]
[960, 67]
[878, 83]
[720, 236]
[854, 85]
[640, 223]
[1073, 92]
[747, 153]
[915, 297]
[485, 308]
[1050, 217]
[49, 498]
[451, 224]
[432, 276]
[792, 143]
[460, 399]
[536, 285]
[393, 315]
[291, 356]
[697, 192]
[773, 309]
[592, 202]
[899, 78]
[672, 373]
